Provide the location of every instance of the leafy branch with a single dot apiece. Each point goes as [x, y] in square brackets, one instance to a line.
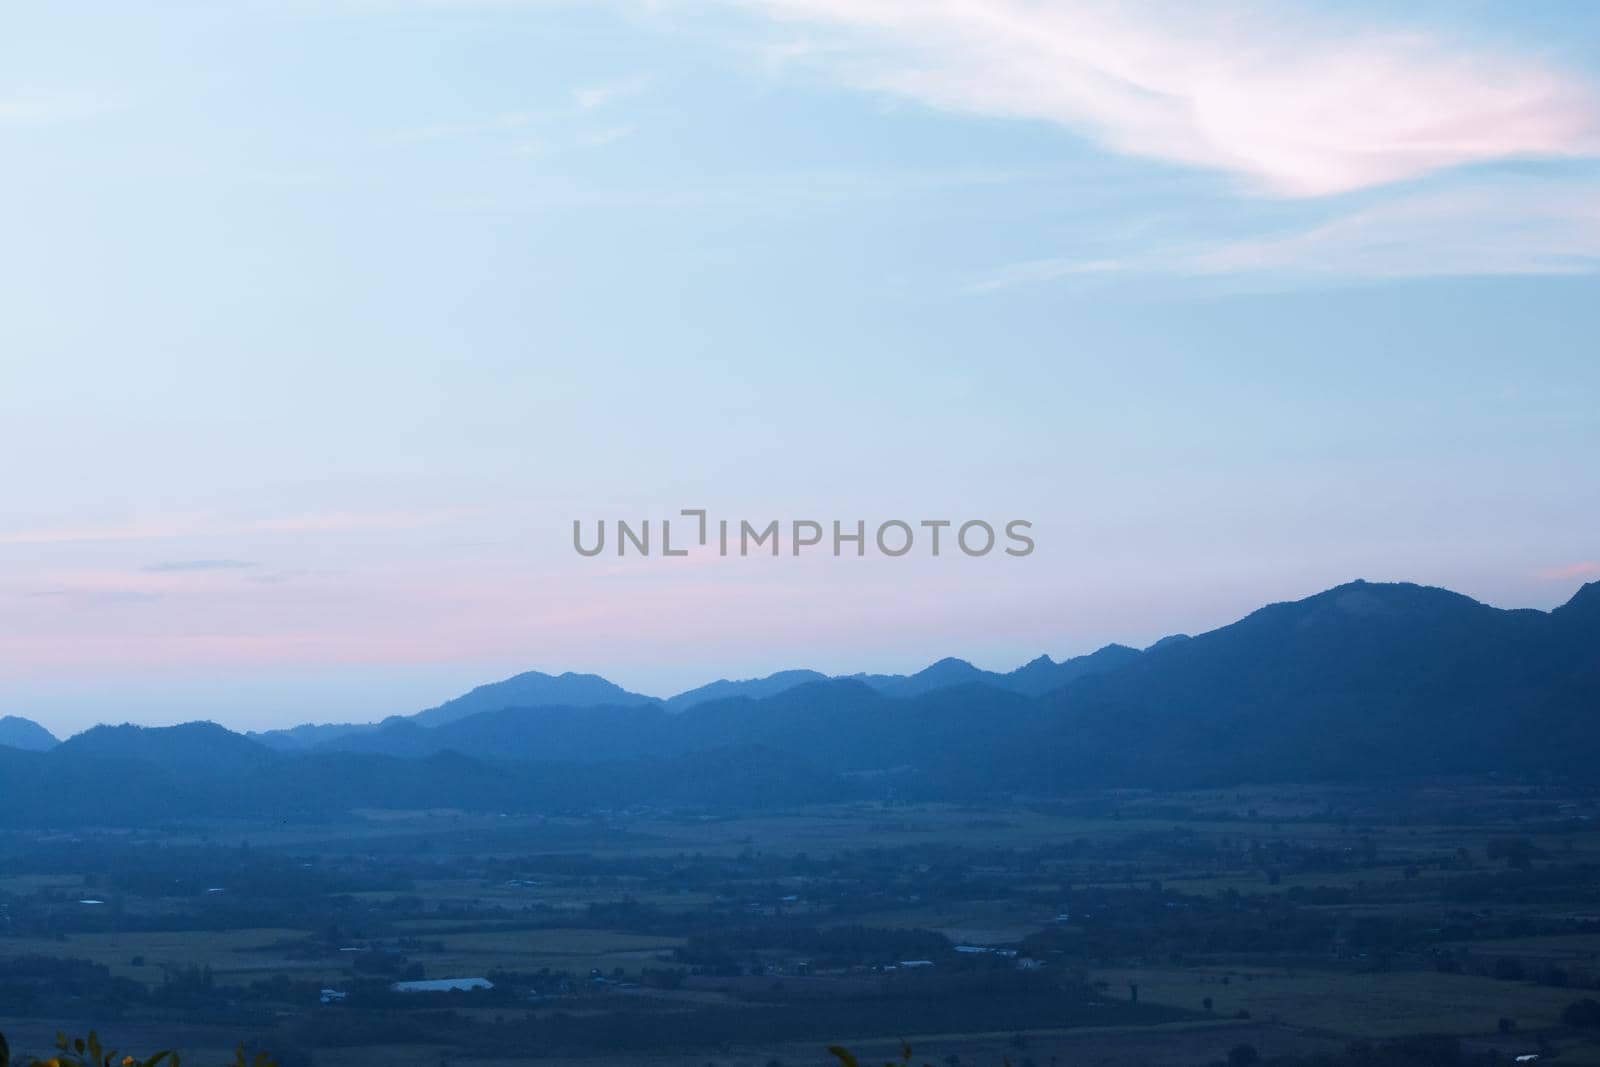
[89, 1052]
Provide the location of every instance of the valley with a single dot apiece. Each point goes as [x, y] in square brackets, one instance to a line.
[1130, 925]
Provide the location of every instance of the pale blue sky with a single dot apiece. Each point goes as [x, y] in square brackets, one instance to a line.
[361, 302]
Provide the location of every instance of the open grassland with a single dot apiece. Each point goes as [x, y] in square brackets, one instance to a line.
[244, 955]
[1348, 1004]
[1326, 914]
[232, 954]
[565, 948]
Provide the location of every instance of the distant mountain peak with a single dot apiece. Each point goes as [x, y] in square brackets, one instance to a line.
[755, 688]
[1393, 592]
[949, 664]
[1043, 674]
[1389, 602]
[204, 744]
[1168, 641]
[1585, 600]
[532, 689]
[17, 732]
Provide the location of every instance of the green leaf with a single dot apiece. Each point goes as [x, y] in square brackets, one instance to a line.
[843, 1055]
[5, 1052]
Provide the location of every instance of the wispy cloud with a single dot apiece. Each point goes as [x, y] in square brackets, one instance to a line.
[207, 526]
[530, 129]
[441, 131]
[1570, 571]
[180, 566]
[97, 598]
[594, 97]
[1274, 94]
[759, 192]
[36, 107]
[1522, 227]
[611, 135]
[1503, 227]
[277, 577]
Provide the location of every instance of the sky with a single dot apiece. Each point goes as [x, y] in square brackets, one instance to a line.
[322, 321]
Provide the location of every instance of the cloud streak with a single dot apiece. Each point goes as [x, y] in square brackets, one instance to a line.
[1586, 570]
[181, 566]
[1292, 105]
[1505, 227]
[203, 526]
[34, 107]
[603, 94]
[97, 598]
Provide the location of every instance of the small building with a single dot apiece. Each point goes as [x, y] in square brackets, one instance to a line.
[442, 985]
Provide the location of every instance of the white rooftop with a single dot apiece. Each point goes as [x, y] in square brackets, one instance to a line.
[442, 985]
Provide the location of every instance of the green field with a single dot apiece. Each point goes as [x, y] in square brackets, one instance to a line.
[1354, 1005]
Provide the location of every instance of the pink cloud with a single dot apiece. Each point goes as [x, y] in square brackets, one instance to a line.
[172, 527]
[573, 616]
[1297, 105]
[1569, 571]
[1505, 226]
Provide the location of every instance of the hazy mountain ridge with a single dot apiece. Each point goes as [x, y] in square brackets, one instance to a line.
[722, 689]
[528, 689]
[532, 689]
[499, 730]
[310, 735]
[17, 732]
[535, 689]
[1360, 681]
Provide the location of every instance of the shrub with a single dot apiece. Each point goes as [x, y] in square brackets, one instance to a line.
[89, 1052]
[1584, 1013]
[86, 1052]
[1508, 970]
[1243, 1056]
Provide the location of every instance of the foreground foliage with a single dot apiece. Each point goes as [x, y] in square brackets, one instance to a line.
[89, 1052]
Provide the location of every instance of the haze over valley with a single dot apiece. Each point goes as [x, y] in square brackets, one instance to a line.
[1361, 682]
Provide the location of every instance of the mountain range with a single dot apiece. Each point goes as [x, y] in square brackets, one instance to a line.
[534, 689]
[1363, 681]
